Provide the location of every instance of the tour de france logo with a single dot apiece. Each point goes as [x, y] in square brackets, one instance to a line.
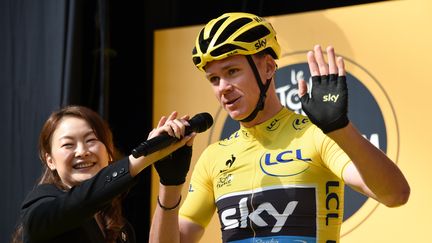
[369, 109]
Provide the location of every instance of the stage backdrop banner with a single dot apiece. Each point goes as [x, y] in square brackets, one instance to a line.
[387, 49]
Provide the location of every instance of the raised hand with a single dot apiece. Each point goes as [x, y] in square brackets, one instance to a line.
[326, 104]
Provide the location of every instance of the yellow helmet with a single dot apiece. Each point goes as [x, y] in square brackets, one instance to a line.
[233, 34]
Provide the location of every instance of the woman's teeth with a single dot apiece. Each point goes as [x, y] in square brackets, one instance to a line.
[83, 165]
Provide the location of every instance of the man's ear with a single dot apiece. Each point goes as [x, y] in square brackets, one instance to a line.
[271, 66]
[50, 161]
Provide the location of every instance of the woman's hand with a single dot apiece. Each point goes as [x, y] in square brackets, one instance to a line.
[172, 126]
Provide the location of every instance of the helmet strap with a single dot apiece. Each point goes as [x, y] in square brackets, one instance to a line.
[263, 91]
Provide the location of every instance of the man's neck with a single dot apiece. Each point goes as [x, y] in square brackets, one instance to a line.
[271, 108]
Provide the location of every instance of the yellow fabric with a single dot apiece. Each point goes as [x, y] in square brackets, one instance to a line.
[280, 180]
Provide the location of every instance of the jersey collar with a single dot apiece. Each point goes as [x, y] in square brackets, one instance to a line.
[267, 130]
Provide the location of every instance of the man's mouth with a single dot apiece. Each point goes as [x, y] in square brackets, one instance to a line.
[230, 102]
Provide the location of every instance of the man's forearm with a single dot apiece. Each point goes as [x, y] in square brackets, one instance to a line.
[380, 174]
[165, 226]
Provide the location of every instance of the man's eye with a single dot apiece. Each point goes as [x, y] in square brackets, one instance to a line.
[233, 71]
[214, 80]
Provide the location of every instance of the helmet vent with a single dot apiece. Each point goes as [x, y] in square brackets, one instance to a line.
[225, 49]
[204, 43]
[196, 60]
[216, 27]
[231, 28]
[253, 34]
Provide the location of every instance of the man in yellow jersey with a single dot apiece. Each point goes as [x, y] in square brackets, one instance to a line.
[281, 176]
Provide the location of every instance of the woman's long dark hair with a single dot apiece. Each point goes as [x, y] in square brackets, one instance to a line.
[110, 217]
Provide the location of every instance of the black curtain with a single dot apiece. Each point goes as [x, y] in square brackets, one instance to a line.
[130, 95]
[32, 75]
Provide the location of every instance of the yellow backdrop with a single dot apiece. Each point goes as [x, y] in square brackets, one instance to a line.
[392, 42]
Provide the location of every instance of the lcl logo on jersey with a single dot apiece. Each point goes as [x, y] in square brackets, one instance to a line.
[369, 109]
[279, 164]
[274, 125]
[299, 124]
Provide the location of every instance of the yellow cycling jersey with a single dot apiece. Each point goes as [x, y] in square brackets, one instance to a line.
[279, 181]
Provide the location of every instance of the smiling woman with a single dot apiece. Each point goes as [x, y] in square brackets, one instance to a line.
[75, 145]
[78, 198]
[77, 154]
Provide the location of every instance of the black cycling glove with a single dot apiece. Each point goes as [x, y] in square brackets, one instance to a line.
[173, 169]
[327, 107]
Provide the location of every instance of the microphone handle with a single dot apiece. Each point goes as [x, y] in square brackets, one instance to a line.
[153, 145]
[156, 143]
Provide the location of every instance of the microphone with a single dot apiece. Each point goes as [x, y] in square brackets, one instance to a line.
[199, 123]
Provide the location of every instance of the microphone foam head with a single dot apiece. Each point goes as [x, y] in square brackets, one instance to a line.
[201, 122]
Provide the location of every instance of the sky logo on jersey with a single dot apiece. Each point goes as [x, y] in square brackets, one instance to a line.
[261, 214]
[280, 239]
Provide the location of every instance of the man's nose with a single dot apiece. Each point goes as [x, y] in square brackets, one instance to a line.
[224, 85]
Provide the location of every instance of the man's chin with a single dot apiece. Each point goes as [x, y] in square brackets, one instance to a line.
[238, 112]
[234, 115]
